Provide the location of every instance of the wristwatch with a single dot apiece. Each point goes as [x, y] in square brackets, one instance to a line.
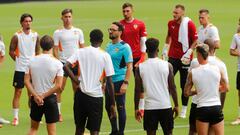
[125, 82]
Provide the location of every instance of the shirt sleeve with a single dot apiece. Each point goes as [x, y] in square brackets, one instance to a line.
[233, 44]
[128, 54]
[81, 37]
[56, 38]
[225, 73]
[143, 31]
[214, 33]
[60, 69]
[192, 31]
[109, 70]
[2, 49]
[73, 59]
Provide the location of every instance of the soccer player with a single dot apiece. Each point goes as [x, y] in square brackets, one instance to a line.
[181, 40]
[134, 34]
[2, 55]
[121, 56]
[43, 82]
[156, 77]
[24, 45]
[2, 50]
[88, 99]
[235, 51]
[67, 40]
[212, 59]
[207, 30]
[209, 110]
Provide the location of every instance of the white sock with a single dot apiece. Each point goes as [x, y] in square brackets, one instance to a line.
[239, 112]
[15, 112]
[59, 108]
[184, 109]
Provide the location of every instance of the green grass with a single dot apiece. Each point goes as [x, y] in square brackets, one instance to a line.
[99, 14]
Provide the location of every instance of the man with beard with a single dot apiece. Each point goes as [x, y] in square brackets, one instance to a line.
[24, 45]
[181, 40]
[121, 56]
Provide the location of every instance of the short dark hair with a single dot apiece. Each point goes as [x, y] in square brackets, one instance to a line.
[203, 11]
[125, 5]
[180, 6]
[25, 15]
[96, 36]
[46, 43]
[67, 10]
[152, 45]
[120, 26]
[203, 49]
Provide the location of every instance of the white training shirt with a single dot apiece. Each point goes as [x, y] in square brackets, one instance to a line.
[68, 41]
[2, 49]
[213, 60]
[92, 62]
[154, 73]
[210, 32]
[44, 69]
[25, 49]
[206, 79]
[236, 45]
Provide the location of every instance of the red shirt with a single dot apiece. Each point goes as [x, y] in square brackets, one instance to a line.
[133, 31]
[175, 50]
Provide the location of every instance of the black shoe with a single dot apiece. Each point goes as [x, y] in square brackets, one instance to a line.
[114, 133]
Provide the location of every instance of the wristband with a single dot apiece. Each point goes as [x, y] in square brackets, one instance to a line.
[141, 104]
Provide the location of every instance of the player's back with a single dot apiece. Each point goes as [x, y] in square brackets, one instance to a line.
[206, 79]
[43, 69]
[92, 62]
[154, 73]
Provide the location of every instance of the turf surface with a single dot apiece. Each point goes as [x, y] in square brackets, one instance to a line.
[99, 14]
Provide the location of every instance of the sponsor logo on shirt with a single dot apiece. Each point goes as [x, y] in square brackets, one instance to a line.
[75, 32]
[116, 49]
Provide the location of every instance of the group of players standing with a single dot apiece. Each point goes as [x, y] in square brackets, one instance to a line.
[94, 72]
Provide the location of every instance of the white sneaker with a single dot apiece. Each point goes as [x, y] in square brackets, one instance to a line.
[236, 122]
[182, 115]
[3, 121]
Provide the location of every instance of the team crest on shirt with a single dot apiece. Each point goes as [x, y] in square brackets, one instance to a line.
[75, 32]
[135, 26]
[116, 49]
